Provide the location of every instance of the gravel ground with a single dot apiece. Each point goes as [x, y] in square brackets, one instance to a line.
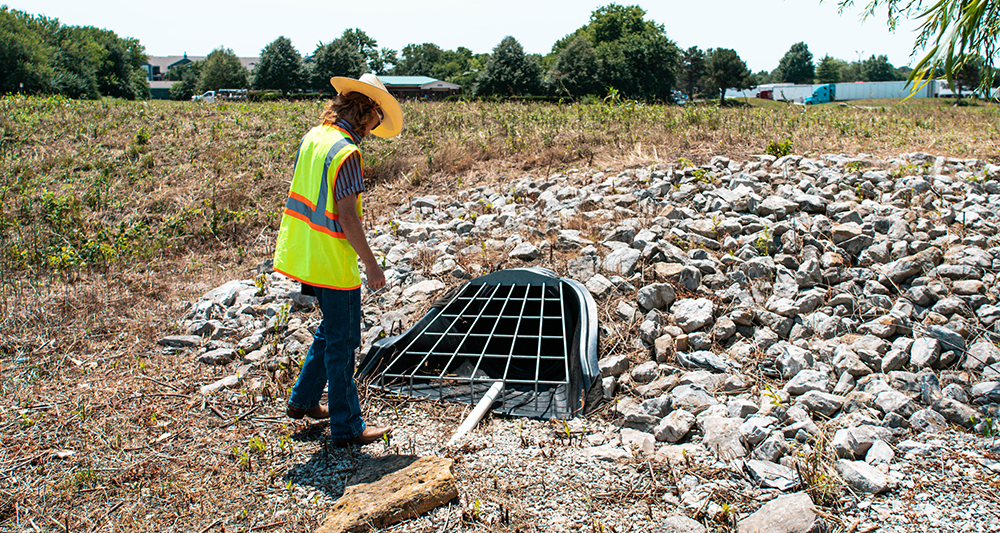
[525, 475]
[768, 327]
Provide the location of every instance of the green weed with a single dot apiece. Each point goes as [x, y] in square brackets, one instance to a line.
[764, 243]
[257, 445]
[779, 149]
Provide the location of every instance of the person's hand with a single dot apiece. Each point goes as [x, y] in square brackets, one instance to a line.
[376, 278]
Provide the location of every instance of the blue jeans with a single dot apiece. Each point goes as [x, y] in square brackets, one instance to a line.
[331, 361]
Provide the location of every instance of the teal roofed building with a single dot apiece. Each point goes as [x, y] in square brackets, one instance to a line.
[418, 87]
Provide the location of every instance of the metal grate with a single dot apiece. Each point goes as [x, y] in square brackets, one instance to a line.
[521, 327]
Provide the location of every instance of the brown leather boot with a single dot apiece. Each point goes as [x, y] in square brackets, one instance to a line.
[317, 411]
[368, 436]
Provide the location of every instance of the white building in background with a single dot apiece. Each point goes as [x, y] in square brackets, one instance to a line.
[158, 66]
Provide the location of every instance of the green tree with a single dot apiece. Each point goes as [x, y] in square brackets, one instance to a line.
[762, 77]
[419, 60]
[75, 64]
[76, 61]
[727, 71]
[458, 66]
[120, 73]
[337, 58]
[377, 60]
[796, 66]
[575, 70]
[184, 72]
[968, 75]
[614, 22]
[280, 67]
[953, 33]
[25, 52]
[455, 62]
[634, 55]
[383, 62]
[828, 70]
[509, 72]
[640, 65]
[878, 69]
[461, 67]
[186, 77]
[850, 72]
[691, 71]
[222, 70]
[90, 63]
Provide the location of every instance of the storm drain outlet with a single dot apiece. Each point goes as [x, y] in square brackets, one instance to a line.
[528, 329]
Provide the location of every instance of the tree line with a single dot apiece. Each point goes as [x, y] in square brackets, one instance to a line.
[619, 51]
[38, 55]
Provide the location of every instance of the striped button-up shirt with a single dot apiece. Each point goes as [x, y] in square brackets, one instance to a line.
[349, 176]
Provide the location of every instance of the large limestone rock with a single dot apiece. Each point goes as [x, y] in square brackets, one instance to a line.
[384, 493]
[792, 513]
[693, 313]
[422, 291]
[622, 261]
[863, 477]
[656, 296]
[722, 435]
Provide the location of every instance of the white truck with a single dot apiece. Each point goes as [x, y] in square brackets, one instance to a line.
[221, 94]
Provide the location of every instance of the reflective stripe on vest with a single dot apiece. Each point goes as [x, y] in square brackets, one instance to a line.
[316, 213]
[311, 244]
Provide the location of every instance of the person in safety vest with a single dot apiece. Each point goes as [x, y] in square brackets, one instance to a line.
[320, 241]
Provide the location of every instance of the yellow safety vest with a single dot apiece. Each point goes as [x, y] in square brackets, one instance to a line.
[311, 244]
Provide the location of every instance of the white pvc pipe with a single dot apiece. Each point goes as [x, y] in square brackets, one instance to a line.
[477, 414]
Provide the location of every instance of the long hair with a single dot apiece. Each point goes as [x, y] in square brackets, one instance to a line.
[354, 107]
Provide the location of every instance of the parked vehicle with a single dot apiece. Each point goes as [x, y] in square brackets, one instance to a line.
[232, 94]
[221, 94]
[834, 92]
[209, 97]
[882, 89]
[822, 94]
[787, 92]
[943, 90]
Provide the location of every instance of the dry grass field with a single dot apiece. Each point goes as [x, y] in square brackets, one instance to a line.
[113, 213]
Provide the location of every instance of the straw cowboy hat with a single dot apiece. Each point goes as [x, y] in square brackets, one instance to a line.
[372, 87]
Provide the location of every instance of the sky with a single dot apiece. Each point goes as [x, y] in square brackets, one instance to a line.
[760, 31]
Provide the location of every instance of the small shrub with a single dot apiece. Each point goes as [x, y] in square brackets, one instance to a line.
[779, 149]
[815, 470]
[257, 445]
[133, 153]
[855, 166]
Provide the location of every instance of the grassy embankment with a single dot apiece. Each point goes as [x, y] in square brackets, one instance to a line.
[111, 211]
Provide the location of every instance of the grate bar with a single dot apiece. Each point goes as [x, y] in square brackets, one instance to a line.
[565, 336]
[493, 336]
[400, 354]
[509, 381]
[444, 334]
[458, 346]
[491, 356]
[517, 329]
[538, 350]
